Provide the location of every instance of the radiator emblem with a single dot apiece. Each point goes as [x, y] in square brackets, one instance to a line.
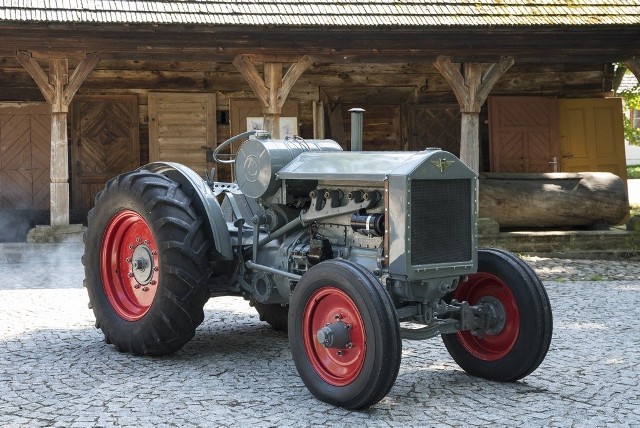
[442, 164]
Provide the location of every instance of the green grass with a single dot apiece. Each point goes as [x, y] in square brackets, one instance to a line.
[633, 171]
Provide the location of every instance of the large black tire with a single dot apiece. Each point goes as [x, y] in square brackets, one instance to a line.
[275, 315]
[146, 264]
[518, 346]
[361, 373]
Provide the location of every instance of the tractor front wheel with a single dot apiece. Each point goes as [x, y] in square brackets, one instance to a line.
[146, 264]
[344, 335]
[519, 339]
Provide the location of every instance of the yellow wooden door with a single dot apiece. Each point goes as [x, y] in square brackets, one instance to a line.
[182, 128]
[592, 136]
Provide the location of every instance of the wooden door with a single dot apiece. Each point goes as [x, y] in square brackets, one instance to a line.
[104, 143]
[592, 136]
[435, 125]
[182, 128]
[523, 134]
[25, 157]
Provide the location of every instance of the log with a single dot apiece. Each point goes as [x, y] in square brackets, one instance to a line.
[550, 200]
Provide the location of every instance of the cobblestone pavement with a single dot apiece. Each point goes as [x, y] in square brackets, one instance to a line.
[56, 370]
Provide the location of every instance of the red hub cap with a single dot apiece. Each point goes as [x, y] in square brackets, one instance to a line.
[129, 265]
[331, 308]
[494, 345]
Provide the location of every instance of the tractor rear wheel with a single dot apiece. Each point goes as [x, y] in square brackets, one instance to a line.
[516, 345]
[344, 334]
[273, 314]
[146, 263]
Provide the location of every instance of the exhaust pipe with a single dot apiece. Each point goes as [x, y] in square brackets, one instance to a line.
[356, 129]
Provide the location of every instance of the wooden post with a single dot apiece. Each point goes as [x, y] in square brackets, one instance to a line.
[318, 120]
[273, 82]
[273, 90]
[471, 86]
[58, 90]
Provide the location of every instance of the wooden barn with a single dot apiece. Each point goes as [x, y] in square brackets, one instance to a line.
[90, 88]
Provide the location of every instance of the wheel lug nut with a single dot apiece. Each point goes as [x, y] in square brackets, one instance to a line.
[156, 268]
[128, 259]
[154, 282]
[338, 316]
[130, 274]
[146, 241]
[145, 288]
[138, 239]
[136, 286]
[131, 246]
[349, 345]
[340, 353]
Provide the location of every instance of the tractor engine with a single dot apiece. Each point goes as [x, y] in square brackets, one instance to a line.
[407, 217]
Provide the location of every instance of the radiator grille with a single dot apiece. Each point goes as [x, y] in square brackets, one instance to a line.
[440, 221]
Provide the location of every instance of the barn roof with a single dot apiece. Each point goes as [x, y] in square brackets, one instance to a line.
[334, 13]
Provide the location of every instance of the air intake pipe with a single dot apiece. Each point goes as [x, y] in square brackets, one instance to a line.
[356, 129]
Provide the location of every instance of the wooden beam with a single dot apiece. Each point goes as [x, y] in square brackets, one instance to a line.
[81, 72]
[293, 74]
[273, 89]
[472, 88]
[471, 84]
[37, 73]
[253, 78]
[633, 64]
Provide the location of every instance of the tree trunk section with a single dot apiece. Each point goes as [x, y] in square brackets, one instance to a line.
[553, 199]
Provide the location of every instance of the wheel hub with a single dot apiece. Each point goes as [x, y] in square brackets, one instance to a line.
[495, 315]
[142, 264]
[335, 335]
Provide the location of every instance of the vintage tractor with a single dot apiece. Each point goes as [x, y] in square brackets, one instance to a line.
[349, 251]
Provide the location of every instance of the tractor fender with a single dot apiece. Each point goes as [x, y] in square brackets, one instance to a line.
[205, 201]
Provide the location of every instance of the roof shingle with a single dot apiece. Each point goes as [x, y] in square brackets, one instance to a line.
[348, 13]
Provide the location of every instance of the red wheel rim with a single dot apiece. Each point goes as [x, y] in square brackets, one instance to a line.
[338, 367]
[129, 265]
[490, 347]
